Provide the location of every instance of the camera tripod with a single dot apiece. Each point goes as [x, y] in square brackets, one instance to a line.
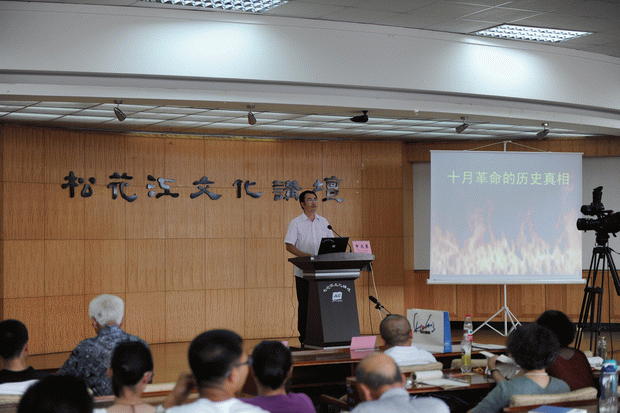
[592, 304]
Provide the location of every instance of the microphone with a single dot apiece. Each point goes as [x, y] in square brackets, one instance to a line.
[329, 227]
[378, 305]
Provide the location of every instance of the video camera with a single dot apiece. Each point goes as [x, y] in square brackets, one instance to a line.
[607, 221]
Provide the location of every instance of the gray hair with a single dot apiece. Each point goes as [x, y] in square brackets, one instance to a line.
[107, 309]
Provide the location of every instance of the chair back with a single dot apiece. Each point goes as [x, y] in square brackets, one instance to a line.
[539, 399]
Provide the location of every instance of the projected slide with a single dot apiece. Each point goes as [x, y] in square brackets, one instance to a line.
[505, 217]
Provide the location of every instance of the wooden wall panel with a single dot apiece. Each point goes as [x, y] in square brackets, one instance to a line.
[346, 217]
[264, 263]
[185, 217]
[145, 156]
[224, 162]
[104, 155]
[23, 272]
[23, 211]
[64, 216]
[224, 217]
[184, 161]
[265, 314]
[225, 269]
[224, 310]
[145, 265]
[382, 212]
[344, 161]
[104, 267]
[382, 165]
[185, 315]
[262, 162]
[185, 264]
[64, 322]
[145, 316]
[388, 264]
[302, 162]
[31, 312]
[23, 154]
[145, 218]
[64, 152]
[263, 218]
[526, 300]
[104, 217]
[64, 268]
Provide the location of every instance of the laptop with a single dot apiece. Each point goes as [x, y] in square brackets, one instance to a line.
[336, 244]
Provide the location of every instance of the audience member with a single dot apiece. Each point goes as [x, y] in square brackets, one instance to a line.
[91, 358]
[571, 365]
[57, 394]
[383, 388]
[272, 365]
[219, 367]
[533, 348]
[396, 333]
[131, 369]
[14, 352]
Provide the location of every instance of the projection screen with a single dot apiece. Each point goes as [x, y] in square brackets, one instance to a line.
[505, 218]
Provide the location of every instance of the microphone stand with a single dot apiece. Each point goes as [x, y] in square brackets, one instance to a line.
[379, 306]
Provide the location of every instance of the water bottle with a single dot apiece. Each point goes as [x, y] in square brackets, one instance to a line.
[601, 348]
[608, 403]
[469, 328]
[465, 354]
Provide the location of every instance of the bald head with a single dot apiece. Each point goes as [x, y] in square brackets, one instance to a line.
[395, 330]
[378, 372]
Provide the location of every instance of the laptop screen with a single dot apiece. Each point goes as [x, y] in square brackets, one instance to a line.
[336, 244]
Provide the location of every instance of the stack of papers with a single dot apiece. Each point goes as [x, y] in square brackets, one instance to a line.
[435, 378]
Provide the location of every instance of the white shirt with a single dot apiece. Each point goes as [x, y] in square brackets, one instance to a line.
[409, 355]
[203, 405]
[306, 235]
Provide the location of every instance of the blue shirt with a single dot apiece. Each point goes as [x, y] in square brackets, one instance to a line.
[90, 359]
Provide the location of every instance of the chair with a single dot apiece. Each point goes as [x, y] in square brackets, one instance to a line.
[539, 399]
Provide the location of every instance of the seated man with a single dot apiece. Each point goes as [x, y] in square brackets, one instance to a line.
[91, 358]
[57, 394]
[14, 352]
[383, 388]
[220, 367]
[396, 333]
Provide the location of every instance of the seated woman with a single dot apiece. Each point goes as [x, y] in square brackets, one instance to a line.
[571, 365]
[272, 365]
[131, 370]
[533, 348]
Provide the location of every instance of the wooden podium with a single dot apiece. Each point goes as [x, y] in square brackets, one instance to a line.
[332, 304]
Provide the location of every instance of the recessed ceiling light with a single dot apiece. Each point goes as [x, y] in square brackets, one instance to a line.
[251, 6]
[537, 34]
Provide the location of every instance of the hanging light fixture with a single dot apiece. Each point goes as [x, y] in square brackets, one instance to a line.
[465, 125]
[543, 132]
[251, 117]
[363, 118]
[118, 112]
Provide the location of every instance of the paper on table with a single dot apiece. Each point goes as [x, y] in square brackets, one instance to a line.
[489, 346]
[428, 375]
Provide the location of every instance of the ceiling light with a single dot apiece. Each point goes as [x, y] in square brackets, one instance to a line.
[543, 132]
[360, 118]
[461, 128]
[118, 112]
[250, 6]
[537, 34]
[251, 117]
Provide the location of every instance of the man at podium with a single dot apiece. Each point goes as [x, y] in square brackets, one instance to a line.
[303, 239]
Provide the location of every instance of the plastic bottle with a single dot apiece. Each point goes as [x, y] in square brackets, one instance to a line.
[469, 328]
[465, 354]
[608, 403]
[601, 348]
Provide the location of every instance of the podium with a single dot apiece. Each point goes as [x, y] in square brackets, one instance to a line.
[332, 304]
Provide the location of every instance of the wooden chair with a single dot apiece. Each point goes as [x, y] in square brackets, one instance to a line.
[540, 399]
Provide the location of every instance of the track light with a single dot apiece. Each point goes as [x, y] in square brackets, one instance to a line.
[360, 118]
[118, 112]
[465, 125]
[251, 117]
[543, 132]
